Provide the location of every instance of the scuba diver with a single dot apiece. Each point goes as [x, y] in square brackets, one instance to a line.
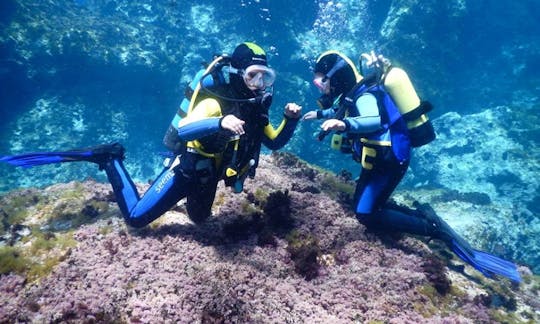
[219, 138]
[377, 117]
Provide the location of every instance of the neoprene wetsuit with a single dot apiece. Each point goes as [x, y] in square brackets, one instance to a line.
[196, 173]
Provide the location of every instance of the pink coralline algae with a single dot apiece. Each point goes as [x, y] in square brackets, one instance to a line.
[175, 271]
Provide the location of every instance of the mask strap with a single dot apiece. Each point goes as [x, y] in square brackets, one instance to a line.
[234, 70]
[339, 64]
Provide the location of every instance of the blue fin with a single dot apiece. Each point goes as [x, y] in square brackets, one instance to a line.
[33, 159]
[97, 154]
[486, 263]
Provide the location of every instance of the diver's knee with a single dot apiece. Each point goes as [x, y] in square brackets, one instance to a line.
[365, 218]
[136, 222]
[199, 218]
[198, 214]
[199, 204]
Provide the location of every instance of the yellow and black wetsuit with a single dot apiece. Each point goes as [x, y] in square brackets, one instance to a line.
[211, 151]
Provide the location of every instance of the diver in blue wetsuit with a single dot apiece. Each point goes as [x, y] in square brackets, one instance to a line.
[378, 118]
[221, 138]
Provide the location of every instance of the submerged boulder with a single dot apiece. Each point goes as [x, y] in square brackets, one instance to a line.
[319, 265]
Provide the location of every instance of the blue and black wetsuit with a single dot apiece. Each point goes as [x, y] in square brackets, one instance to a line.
[196, 173]
[380, 144]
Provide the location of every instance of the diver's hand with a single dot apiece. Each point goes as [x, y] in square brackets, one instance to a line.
[293, 110]
[333, 125]
[371, 62]
[232, 123]
[384, 62]
[310, 115]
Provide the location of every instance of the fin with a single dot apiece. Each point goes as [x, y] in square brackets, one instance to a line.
[98, 154]
[425, 221]
[486, 263]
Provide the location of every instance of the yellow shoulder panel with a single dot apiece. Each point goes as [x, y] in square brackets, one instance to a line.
[206, 108]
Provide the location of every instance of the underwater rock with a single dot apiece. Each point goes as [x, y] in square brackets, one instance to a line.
[478, 160]
[174, 270]
[331, 270]
[498, 73]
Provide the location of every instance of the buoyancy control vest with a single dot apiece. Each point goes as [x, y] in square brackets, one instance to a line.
[242, 155]
[398, 98]
[374, 148]
[238, 156]
[211, 78]
[403, 120]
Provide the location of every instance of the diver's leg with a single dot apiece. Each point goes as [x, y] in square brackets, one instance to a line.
[401, 221]
[390, 179]
[368, 188]
[373, 189]
[426, 222]
[199, 202]
[123, 187]
[203, 189]
[167, 189]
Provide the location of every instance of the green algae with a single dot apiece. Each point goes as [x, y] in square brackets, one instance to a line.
[36, 253]
[249, 208]
[39, 259]
[333, 186]
[12, 260]
[304, 250]
[17, 206]
[261, 195]
[74, 213]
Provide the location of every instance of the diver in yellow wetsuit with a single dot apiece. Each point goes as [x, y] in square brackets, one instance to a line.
[221, 137]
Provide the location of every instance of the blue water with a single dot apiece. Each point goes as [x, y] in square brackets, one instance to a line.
[79, 72]
[127, 63]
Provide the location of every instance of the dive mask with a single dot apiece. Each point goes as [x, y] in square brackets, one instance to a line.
[322, 83]
[259, 77]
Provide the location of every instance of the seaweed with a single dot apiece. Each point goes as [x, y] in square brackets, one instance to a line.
[336, 188]
[436, 274]
[277, 210]
[12, 260]
[225, 305]
[305, 251]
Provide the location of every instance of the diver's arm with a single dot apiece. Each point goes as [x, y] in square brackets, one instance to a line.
[276, 138]
[368, 119]
[203, 120]
[320, 114]
[326, 113]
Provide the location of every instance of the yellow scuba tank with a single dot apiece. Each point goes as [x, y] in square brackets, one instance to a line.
[400, 88]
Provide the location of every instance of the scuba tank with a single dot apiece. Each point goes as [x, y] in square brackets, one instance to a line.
[209, 78]
[402, 92]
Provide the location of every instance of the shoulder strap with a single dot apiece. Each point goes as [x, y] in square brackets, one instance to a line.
[211, 68]
[369, 82]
